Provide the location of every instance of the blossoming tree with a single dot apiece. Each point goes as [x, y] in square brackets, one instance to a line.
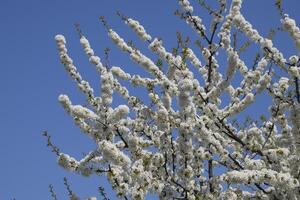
[185, 143]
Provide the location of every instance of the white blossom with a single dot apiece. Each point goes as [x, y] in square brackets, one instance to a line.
[186, 6]
[67, 162]
[119, 41]
[290, 26]
[112, 153]
[117, 71]
[83, 112]
[118, 113]
[295, 71]
[138, 29]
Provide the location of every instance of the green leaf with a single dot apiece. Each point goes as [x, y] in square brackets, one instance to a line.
[263, 118]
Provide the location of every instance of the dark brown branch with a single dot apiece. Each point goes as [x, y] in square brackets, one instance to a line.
[78, 29]
[54, 148]
[53, 195]
[68, 187]
[297, 90]
[210, 174]
[198, 28]
[173, 156]
[122, 138]
[165, 163]
[102, 193]
[234, 41]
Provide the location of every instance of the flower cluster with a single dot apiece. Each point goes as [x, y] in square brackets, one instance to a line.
[138, 29]
[117, 71]
[290, 26]
[186, 6]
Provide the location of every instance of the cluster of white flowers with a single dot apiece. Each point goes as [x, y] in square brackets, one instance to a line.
[67, 162]
[82, 112]
[196, 23]
[156, 46]
[290, 26]
[65, 101]
[90, 53]
[175, 145]
[112, 154]
[264, 81]
[276, 154]
[240, 105]
[254, 164]
[260, 176]
[186, 6]
[138, 29]
[117, 71]
[135, 55]
[294, 71]
[147, 63]
[86, 46]
[246, 27]
[118, 113]
[65, 59]
[222, 85]
[295, 119]
[194, 59]
[72, 70]
[243, 25]
[119, 41]
[106, 89]
[224, 33]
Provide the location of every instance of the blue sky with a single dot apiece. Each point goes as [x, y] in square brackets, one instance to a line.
[32, 78]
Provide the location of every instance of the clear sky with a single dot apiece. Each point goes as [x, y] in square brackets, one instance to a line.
[32, 78]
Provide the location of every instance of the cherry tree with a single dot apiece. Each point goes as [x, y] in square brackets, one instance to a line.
[186, 143]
